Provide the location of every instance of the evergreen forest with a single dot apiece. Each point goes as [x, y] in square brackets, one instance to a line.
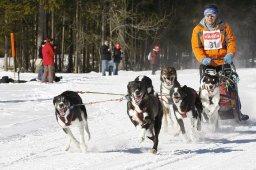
[79, 28]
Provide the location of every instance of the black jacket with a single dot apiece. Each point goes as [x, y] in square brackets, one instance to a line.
[106, 53]
[117, 55]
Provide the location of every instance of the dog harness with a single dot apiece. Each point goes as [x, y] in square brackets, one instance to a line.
[67, 123]
[64, 120]
[210, 99]
[139, 115]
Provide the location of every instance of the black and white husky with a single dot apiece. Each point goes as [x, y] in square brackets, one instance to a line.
[69, 111]
[188, 109]
[210, 98]
[145, 111]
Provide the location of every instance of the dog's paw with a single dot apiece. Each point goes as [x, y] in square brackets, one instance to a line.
[198, 126]
[77, 144]
[146, 121]
[83, 148]
[195, 138]
[177, 133]
[66, 148]
[154, 151]
[141, 139]
[185, 139]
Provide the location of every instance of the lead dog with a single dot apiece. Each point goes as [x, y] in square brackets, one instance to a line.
[148, 83]
[69, 111]
[188, 109]
[168, 78]
[145, 112]
[210, 97]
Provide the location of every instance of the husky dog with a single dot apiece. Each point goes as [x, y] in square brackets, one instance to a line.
[188, 109]
[69, 111]
[148, 83]
[145, 111]
[210, 97]
[168, 78]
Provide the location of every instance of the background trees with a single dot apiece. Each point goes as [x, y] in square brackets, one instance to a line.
[79, 27]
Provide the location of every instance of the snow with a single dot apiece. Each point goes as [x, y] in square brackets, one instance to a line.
[30, 137]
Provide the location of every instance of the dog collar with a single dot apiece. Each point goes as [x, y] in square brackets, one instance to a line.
[210, 100]
[63, 119]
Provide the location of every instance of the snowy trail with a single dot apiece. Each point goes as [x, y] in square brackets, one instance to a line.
[30, 138]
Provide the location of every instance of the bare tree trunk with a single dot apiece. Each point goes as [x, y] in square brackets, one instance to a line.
[5, 53]
[62, 42]
[103, 32]
[41, 26]
[77, 36]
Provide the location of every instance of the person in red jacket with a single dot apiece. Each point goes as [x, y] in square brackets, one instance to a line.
[48, 61]
[153, 57]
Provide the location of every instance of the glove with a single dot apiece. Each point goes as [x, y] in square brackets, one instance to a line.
[229, 58]
[206, 61]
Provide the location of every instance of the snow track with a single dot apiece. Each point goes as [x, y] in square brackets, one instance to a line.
[30, 137]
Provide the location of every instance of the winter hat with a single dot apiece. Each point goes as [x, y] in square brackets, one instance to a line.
[106, 42]
[211, 9]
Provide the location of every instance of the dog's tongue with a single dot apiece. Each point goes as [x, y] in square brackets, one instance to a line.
[210, 91]
[168, 82]
[63, 111]
[138, 98]
[176, 99]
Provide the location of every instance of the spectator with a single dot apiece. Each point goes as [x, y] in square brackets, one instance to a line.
[117, 57]
[39, 62]
[153, 57]
[48, 61]
[106, 58]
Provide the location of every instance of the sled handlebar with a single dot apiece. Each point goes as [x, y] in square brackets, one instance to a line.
[213, 59]
[221, 59]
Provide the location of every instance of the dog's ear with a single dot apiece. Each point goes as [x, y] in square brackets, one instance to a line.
[204, 79]
[129, 87]
[54, 99]
[161, 79]
[137, 78]
[185, 90]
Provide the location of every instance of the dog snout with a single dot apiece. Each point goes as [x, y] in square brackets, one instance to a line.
[175, 94]
[137, 92]
[211, 86]
[61, 105]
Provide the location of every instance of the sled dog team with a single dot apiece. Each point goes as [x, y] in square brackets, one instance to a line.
[180, 106]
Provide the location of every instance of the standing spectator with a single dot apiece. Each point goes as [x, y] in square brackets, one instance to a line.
[40, 65]
[48, 61]
[117, 57]
[153, 57]
[106, 57]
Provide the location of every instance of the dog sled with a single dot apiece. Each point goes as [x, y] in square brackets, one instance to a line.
[230, 106]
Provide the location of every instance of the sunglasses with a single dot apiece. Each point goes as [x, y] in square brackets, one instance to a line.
[211, 15]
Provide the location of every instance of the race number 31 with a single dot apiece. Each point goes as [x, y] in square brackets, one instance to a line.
[212, 40]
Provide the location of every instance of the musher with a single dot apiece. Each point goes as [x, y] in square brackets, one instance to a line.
[214, 44]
